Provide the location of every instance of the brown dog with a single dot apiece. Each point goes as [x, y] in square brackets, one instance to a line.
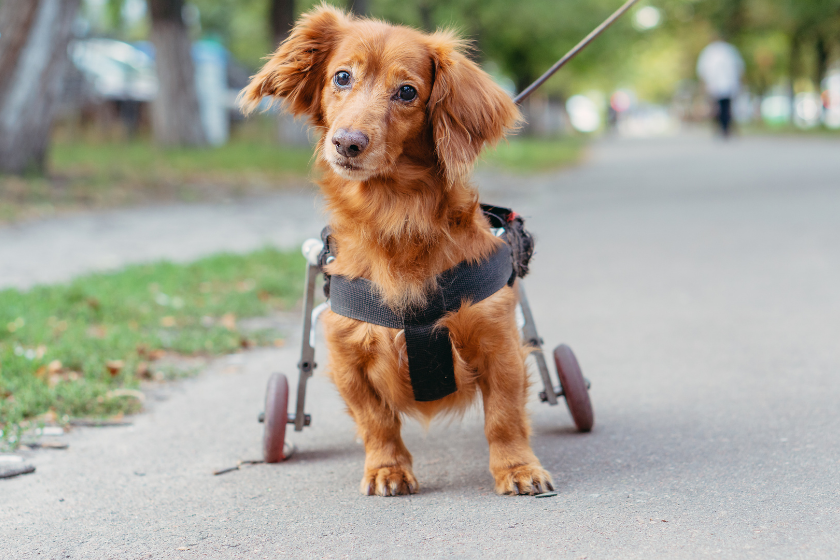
[403, 117]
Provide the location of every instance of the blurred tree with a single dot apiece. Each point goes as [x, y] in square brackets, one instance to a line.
[176, 119]
[33, 63]
[282, 18]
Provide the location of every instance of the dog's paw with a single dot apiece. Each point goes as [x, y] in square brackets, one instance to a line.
[523, 479]
[389, 481]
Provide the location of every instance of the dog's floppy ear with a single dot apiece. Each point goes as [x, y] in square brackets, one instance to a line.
[466, 108]
[296, 71]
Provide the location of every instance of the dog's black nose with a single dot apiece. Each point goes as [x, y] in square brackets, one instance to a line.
[350, 143]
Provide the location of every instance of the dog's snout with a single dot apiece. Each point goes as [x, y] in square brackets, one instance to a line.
[350, 143]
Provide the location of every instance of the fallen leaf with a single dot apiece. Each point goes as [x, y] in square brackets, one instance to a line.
[54, 367]
[114, 367]
[97, 331]
[246, 286]
[228, 321]
[143, 370]
[130, 393]
[168, 321]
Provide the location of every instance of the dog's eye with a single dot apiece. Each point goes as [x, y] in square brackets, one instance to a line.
[407, 93]
[342, 79]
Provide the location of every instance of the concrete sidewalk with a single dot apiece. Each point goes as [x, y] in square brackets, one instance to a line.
[58, 249]
[697, 283]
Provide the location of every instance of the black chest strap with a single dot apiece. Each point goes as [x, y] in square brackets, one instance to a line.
[430, 362]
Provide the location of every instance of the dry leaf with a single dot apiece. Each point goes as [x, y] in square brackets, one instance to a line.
[228, 321]
[131, 393]
[246, 286]
[114, 367]
[97, 331]
[168, 321]
[143, 370]
[54, 367]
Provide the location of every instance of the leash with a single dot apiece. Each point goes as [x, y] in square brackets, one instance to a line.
[574, 52]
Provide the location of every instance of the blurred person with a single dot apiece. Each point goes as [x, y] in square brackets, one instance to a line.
[720, 66]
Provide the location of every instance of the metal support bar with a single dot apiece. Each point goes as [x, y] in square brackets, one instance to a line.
[530, 336]
[307, 353]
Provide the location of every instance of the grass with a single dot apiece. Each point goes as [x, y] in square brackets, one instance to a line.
[535, 155]
[66, 350]
[789, 129]
[94, 172]
[91, 171]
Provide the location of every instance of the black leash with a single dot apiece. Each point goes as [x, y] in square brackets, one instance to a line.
[573, 53]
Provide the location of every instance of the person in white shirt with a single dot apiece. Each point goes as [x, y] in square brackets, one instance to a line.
[720, 66]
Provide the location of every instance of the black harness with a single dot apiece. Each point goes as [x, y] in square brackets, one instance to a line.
[430, 362]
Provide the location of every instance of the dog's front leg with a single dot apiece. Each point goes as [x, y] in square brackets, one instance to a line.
[512, 462]
[387, 461]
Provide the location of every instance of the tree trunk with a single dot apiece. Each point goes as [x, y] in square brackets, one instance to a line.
[794, 66]
[822, 61]
[176, 118]
[34, 35]
[282, 18]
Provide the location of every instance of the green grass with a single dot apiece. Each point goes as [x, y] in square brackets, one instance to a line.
[535, 155]
[65, 348]
[760, 129]
[139, 160]
[89, 172]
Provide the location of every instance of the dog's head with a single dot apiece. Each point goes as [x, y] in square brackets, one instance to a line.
[384, 96]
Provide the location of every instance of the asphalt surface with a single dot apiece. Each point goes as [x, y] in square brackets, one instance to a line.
[59, 249]
[697, 281]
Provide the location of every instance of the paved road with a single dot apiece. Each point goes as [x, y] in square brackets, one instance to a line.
[58, 249]
[698, 284]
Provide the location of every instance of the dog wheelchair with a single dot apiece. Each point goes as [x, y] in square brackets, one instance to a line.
[573, 387]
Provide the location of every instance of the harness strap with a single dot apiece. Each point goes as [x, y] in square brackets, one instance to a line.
[430, 361]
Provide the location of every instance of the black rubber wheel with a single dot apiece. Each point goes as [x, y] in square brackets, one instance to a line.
[574, 388]
[276, 417]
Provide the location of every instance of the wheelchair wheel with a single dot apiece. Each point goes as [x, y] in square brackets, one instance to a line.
[574, 388]
[275, 419]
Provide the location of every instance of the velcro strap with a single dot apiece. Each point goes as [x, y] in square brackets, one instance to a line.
[430, 364]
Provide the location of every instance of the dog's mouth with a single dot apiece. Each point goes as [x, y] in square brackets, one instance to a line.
[348, 168]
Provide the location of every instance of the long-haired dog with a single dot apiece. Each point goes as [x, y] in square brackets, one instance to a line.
[403, 116]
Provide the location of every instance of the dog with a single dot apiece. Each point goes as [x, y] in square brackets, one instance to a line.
[403, 115]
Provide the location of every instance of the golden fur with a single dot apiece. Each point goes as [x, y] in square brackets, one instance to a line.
[402, 212]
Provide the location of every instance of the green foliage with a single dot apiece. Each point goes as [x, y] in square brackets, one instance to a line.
[522, 39]
[64, 348]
